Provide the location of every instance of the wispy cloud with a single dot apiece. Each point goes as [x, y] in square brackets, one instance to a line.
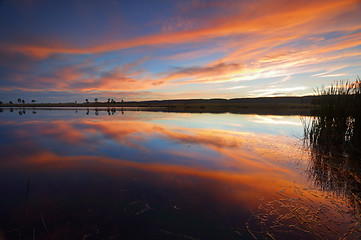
[224, 42]
[261, 22]
[273, 92]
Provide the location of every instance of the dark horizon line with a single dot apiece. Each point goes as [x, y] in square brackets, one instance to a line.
[285, 99]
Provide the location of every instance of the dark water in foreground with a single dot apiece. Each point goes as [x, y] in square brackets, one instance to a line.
[153, 175]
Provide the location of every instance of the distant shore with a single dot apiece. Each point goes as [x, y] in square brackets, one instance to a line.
[275, 105]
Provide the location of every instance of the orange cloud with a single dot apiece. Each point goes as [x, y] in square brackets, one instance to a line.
[209, 73]
[278, 17]
[276, 40]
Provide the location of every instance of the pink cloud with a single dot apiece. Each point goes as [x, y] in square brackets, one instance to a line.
[276, 40]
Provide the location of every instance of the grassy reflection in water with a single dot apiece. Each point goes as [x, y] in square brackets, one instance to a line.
[333, 136]
[334, 139]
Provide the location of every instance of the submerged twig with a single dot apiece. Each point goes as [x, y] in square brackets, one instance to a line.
[46, 228]
[20, 235]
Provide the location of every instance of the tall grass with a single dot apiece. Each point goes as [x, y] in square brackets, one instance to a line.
[338, 116]
[334, 138]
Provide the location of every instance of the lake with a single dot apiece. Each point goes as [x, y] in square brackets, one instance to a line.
[119, 174]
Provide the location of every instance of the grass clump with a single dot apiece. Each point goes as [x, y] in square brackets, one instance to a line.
[337, 122]
[334, 138]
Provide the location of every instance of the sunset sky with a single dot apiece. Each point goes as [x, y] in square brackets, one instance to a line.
[63, 51]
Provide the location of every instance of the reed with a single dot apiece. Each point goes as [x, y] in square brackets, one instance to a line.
[337, 122]
[334, 138]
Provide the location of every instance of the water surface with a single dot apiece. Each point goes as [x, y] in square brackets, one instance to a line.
[156, 175]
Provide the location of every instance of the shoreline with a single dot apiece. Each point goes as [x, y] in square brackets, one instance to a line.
[238, 108]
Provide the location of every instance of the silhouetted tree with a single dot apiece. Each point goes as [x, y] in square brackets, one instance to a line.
[10, 102]
[19, 100]
[96, 100]
[86, 100]
[1, 102]
[23, 101]
[33, 101]
[108, 100]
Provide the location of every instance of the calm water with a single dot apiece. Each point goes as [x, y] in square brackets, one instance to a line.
[67, 174]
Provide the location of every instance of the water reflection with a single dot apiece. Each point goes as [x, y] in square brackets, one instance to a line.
[335, 150]
[333, 137]
[150, 175]
[97, 111]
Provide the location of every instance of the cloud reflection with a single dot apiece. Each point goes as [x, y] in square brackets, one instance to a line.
[226, 170]
[222, 155]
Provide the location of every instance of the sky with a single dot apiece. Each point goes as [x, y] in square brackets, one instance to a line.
[66, 51]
